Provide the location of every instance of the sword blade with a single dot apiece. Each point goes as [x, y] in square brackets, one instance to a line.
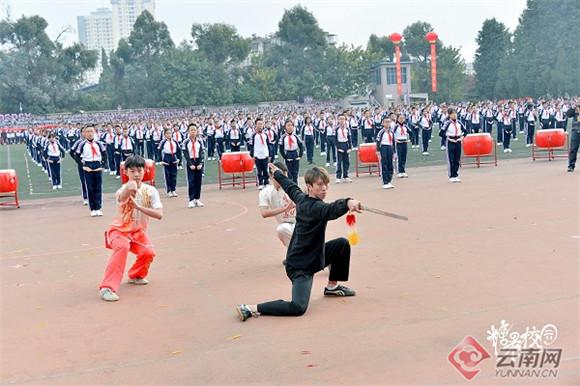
[384, 213]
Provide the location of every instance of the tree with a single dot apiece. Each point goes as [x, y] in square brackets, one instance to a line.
[220, 43]
[381, 47]
[36, 72]
[494, 46]
[300, 28]
[149, 38]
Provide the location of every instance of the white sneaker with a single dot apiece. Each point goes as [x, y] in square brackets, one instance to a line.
[169, 194]
[443, 148]
[510, 150]
[112, 173]
[99, 212]
[323, 153]
[199, 204]
[527, 145]
[399, 175]
[327, 164]
[388, 186]
[54, 187]
[338, 180]
[175, 194]
[506, 150]
[405, 175]
[117, 177]
[138, 281]
[106, 170]
[457, 179]
[191, 204]
[94, 213]
[452, 179]
[276, 156]
[516, 139]
[425, 153]
[108, 295]
[334, 164]
[85, 202]
[59, 186]
[260, 187]
[347, 180]
[500, 143]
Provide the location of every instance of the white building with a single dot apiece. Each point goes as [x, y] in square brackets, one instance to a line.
[125, 13]
[96, 33]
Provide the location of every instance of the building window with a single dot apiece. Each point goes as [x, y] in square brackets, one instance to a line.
[392, 75]
[377, 76]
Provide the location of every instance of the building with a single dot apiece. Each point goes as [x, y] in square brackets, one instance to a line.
[95, 33]
[384, 83]
[125, 13]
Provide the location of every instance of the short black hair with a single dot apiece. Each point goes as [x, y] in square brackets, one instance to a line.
[134, 161]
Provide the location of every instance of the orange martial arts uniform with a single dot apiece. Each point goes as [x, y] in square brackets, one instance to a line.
[127, 234]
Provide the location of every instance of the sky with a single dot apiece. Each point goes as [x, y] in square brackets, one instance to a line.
[455, 21]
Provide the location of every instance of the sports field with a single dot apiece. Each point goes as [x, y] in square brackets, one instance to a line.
[34, 183]
[502, 245]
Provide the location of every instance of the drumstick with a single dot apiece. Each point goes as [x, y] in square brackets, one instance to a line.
[383, 213]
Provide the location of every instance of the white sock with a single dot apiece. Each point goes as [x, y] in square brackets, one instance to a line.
[333, 287]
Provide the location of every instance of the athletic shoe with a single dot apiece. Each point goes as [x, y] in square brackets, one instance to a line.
[405, 175]
[515, 139]
[112, 173]
[99, 213]
[506, 150]
[425, 153]
[327, 164]
[54, 187]
[527, 145]
[138, 281]
[199, 203]
[323, 153]
[340, 290]
[388, 186]
[191, 204]
[108, 295]
[94, 213]
[260, 187]
[59, 186]
[85, 202]
[443, 148]
[510, 150]
[244, 312]
[399, 175]
[175, 194]
[452, 179]
[117, 177]
[570, 169]
[334, 164]
[348, 180]
[338, 180]
[457, 179]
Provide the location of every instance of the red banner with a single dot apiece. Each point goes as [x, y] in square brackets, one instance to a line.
[433, 68]
[399, 78]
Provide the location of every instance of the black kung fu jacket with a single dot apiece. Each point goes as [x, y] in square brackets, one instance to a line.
[306, 249]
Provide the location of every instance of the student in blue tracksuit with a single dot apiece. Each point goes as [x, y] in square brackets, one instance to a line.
[291, 149]
[54, 153]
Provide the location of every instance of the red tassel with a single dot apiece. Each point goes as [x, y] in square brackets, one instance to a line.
[350, 219]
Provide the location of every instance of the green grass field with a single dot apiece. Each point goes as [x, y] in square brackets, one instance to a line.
[34, 183]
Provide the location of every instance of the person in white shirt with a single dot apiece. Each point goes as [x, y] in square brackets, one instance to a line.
[274, 202]
[260, 151]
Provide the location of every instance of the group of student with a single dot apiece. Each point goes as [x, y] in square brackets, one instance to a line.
[189, 141]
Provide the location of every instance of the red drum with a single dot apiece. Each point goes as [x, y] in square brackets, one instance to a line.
[367, 153]
[551, 138]
[478, 144]
[237, 162]
[8, 181]
[148, 176]
[9, 187]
